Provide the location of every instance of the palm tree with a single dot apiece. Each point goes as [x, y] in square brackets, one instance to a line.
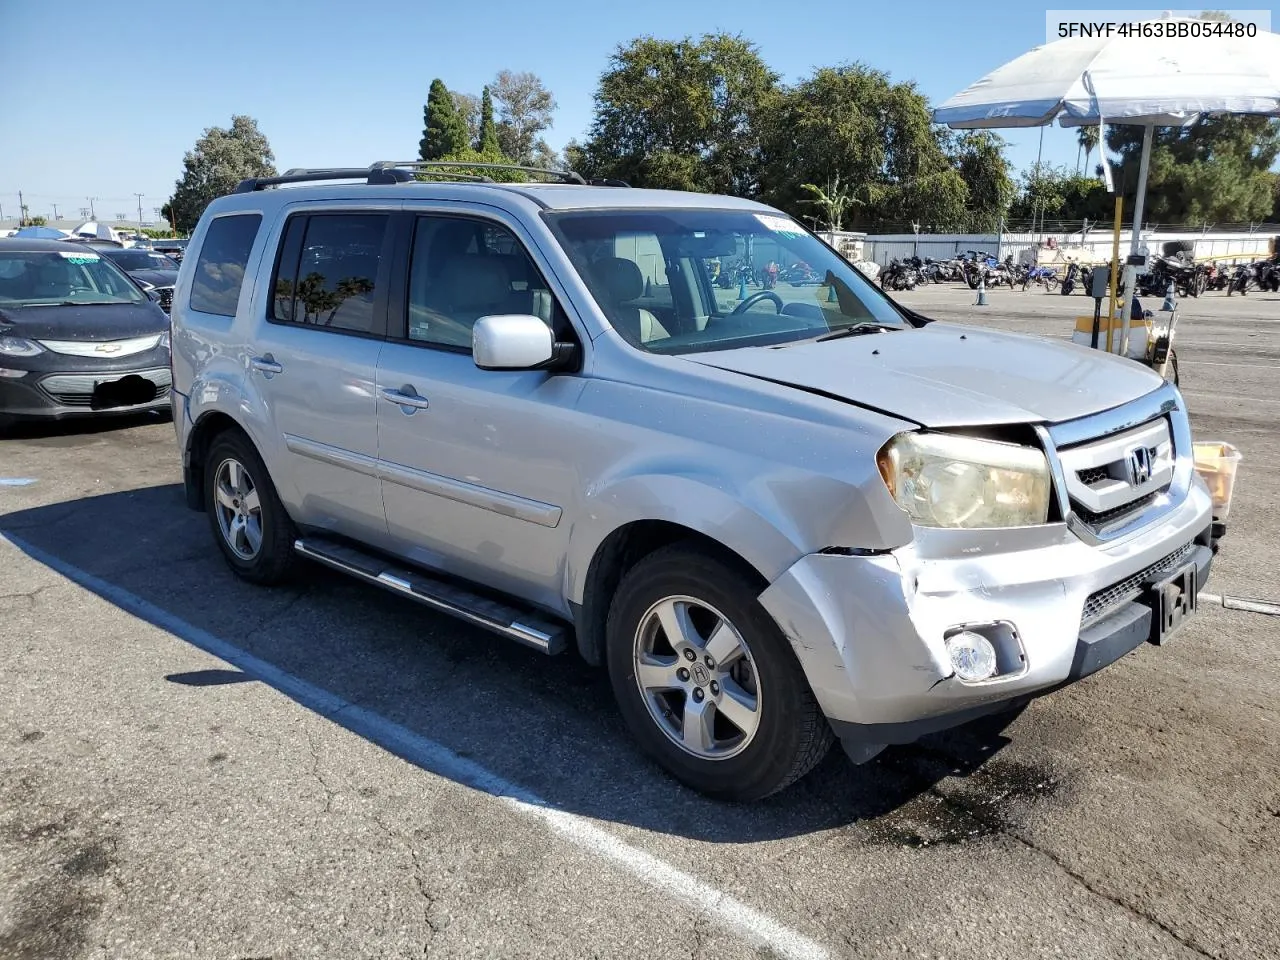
[1087, 137]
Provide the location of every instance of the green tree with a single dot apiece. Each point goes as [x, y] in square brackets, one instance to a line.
[1217, 170]
[851, 122]
[468, 155]
[1055, 193]
[487, 138]
[525, 107]
[979, 159]
[444, 131]
[468, 107]
[220, 159]
[833, 200]
[1087, 138]
[684, 114]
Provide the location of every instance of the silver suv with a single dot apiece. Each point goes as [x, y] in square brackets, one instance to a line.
[565, 413]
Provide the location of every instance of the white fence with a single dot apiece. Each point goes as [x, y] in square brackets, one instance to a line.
[1091, 247]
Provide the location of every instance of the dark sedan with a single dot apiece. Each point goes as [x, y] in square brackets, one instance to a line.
[77, 335]
[156, 272]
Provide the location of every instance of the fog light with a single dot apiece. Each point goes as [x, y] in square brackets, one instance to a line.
[972, 655]
[12, 374]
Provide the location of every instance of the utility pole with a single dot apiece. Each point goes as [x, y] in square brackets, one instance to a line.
[92, 213]
[55, 211]
[139, 196]
[22, 210]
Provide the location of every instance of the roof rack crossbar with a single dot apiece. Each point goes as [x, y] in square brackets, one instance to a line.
[564, 176]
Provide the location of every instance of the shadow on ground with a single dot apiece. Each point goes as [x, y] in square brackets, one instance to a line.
[547, 724]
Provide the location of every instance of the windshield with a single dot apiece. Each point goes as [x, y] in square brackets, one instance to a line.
[31, 278]
[689, 281]
[140, 260]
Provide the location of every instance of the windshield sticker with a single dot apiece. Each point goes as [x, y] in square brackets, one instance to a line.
[79, 257]
[788, 228]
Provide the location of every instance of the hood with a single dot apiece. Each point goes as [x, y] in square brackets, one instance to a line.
[946, 375]
[157, 278]
[107, 322]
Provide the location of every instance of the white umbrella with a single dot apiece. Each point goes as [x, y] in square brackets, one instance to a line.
[94, 229]
[1151, 81]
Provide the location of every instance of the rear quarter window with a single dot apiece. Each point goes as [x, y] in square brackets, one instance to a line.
[224, 257]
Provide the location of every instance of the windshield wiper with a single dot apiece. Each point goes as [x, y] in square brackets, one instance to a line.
[856, 329]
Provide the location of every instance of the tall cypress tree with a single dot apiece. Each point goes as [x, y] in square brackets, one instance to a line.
[444, 130]
[488, 140]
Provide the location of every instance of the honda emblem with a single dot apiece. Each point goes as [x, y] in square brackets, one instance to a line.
[1139, 460]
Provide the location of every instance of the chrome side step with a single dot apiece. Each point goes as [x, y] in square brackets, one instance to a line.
[542, 634]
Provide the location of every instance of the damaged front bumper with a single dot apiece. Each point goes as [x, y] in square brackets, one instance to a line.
[869, 630]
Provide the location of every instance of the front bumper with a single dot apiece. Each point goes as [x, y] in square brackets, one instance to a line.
[869, 630]
[59, 393]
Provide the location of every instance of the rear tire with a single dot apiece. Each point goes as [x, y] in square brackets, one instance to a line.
[248, 521]
[738, 669]
[1171, 371]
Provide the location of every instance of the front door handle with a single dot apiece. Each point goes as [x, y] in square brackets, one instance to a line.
[266, 364]
[405, 397]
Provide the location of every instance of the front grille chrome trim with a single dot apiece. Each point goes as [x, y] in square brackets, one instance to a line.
[1152, 500]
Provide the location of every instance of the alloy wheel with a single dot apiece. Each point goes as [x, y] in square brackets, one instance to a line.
[697, 678]
[239, 508]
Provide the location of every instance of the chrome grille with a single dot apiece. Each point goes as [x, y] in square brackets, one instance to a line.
[1103, 601]
[1099, 520]
[1114, 478]
[76, 389]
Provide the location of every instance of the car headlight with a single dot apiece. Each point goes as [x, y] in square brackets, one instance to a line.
[17, 347]
[943, 480]
[164, 339]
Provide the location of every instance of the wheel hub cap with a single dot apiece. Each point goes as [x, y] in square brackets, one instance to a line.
[697, 677]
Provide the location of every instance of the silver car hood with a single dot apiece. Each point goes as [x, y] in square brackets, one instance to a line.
[947, 375]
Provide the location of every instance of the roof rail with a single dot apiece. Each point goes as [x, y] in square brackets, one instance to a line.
[394, 171]
[564, 176]
[302, 175]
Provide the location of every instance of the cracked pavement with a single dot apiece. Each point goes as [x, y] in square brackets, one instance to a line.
[156, 802]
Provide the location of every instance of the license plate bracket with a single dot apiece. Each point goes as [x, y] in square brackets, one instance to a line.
[1173, 600]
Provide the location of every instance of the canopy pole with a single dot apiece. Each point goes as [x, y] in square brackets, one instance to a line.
[1139, 201]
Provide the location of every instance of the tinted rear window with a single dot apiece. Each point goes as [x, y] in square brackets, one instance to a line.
[224, 256]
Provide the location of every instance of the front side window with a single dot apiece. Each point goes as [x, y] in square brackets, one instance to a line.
[328, 270]
[688, 281]
[224, 256]
[48, 277]
[462, 270]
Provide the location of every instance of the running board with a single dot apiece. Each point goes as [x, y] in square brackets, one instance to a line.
[543, 635]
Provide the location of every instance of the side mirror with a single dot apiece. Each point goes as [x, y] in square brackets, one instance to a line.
[516, 341]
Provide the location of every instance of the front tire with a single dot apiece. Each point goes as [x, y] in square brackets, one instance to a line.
[249, 523]
[705, 680]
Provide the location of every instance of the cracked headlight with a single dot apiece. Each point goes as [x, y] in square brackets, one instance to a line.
[943, 480]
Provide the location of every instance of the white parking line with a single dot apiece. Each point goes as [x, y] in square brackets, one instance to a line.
[1223, 363]
[1228, 396]
[757, 928]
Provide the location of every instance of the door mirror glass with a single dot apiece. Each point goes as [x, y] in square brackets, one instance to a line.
[511, 342]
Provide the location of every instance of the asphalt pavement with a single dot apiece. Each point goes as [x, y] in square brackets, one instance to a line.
[194, 767]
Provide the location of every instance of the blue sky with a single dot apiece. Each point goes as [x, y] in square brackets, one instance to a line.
[102, 99]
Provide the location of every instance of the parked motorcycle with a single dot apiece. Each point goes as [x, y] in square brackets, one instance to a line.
[1045, 277]
[897, 276]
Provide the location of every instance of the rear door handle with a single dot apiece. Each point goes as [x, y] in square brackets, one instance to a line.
[266, 364]
[406, 396]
